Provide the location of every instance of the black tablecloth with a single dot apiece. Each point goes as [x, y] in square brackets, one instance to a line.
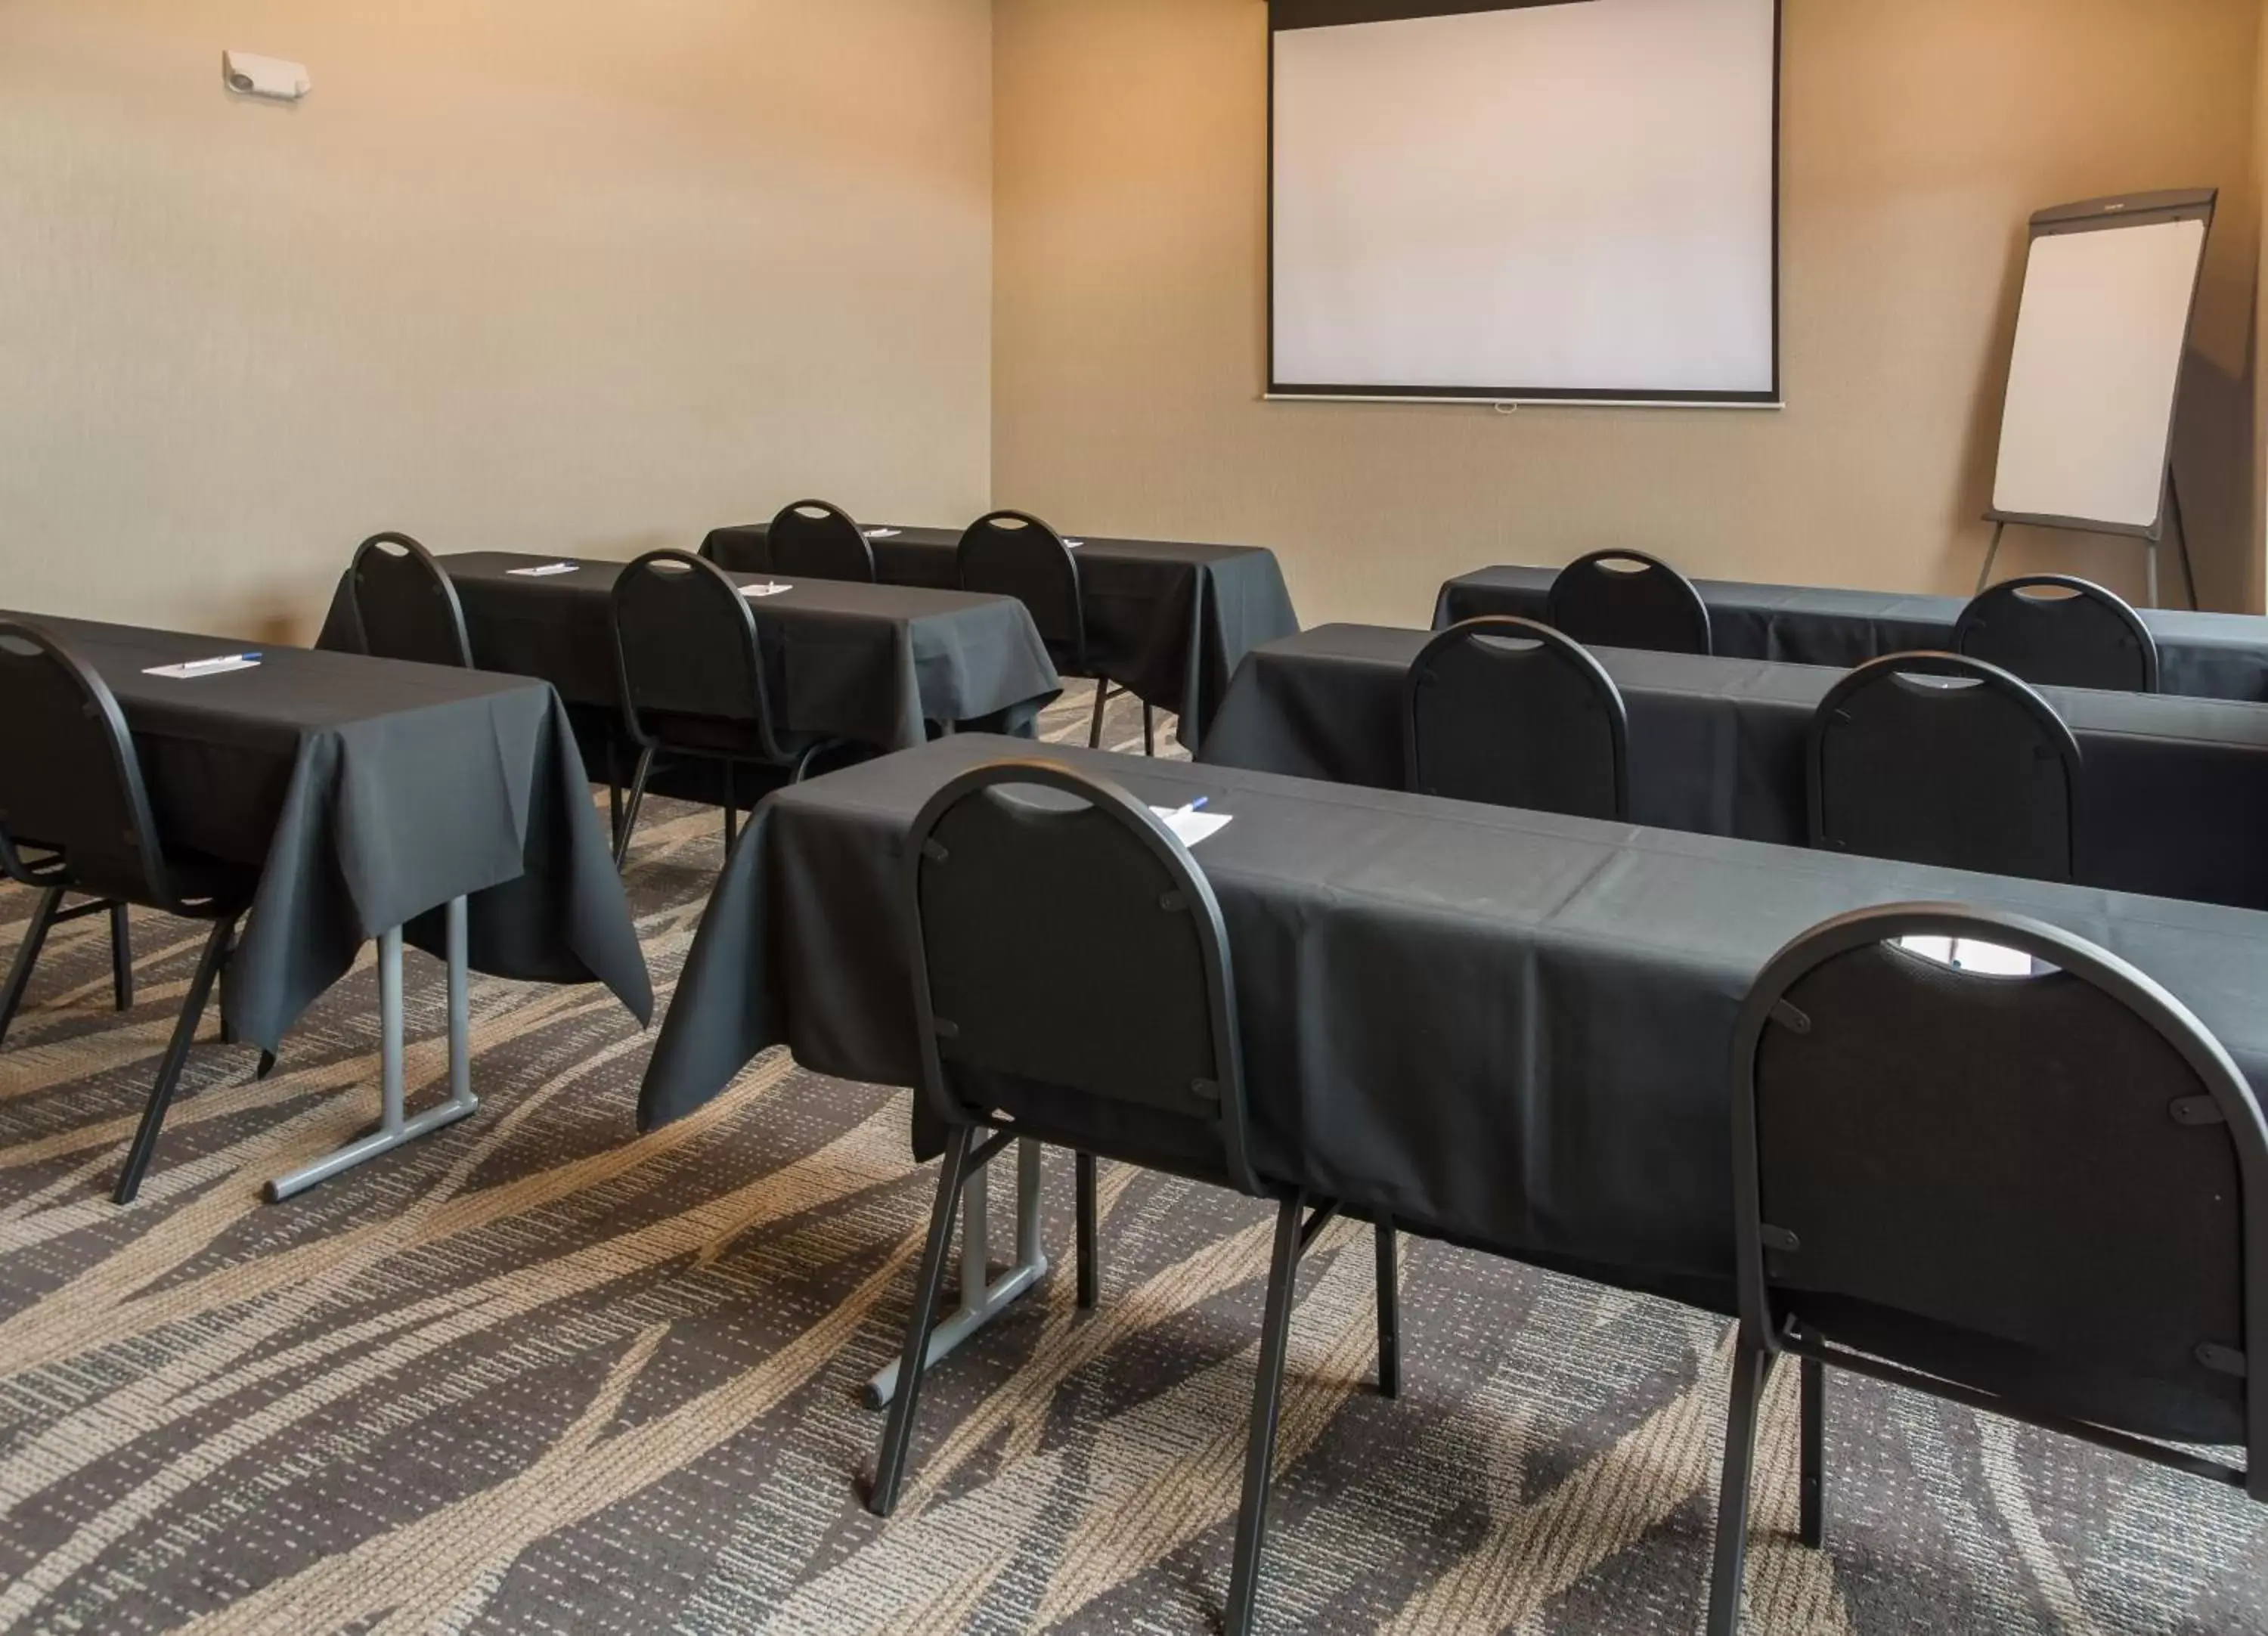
[2211, 656]
[370, 793]
[868, 663]
[1167, 620]
[2174, 800]
[1510, 1029]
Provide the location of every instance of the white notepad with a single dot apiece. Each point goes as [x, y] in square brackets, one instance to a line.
[764, 590]
[1074, 544]
[545, 571]
[195, 668]
[881, 534]
[1192, 824]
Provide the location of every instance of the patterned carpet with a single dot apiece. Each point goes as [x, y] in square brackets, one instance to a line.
[538, 1373]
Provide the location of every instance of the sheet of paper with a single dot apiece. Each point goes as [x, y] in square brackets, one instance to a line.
[1074, 544]
[881, 534]
[1192, 825]
[764, 590]
[198, 667]
[545, 571]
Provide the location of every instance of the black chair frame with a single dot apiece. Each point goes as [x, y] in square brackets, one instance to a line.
[771, 751]
[391, 544]
[51, 876]
[835, 542]
[1977, 615]
[1764, 1336]
[977, 1136]
[1594, 563]
[1505, 627]
[1957, 667]
[1073, 661]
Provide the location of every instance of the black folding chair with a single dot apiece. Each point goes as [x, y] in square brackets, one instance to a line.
[1513, 713]
[1627, 599]
[816, 540]
[75, 820]
[1073, 985]
[1015, 553]
[690, 672]
[2044, 1196]
[1932, 758]
[2057, 631]
[405, 604]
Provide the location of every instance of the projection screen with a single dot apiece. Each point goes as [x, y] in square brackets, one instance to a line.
[1570, 201]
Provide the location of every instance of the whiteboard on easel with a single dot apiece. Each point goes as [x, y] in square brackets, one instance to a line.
[2087, 426]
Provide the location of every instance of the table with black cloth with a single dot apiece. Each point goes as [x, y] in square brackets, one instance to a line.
[1169, 621]
[371, 796]
[2213, 656]
[2173, 800]
[872, 664]
[1509, 1029]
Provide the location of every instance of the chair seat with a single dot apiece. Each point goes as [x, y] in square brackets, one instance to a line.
[739, 737]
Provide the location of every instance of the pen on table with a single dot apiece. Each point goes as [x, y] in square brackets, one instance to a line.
[1195, 805]
[225, 659]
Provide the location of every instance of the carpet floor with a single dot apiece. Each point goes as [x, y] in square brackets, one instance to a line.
[537, 1373]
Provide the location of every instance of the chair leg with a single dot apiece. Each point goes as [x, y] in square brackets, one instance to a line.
[169, 1071]
[614, 786]
[1149, 730]
[1812, 1489]
[27, 956]
[121, 958]
[1267, 1398]
[1102, 697]
[890, 1468]
[1751, 1364]
[638, 776]
[1390, 1310]
[730, 787]
[1090, 1266]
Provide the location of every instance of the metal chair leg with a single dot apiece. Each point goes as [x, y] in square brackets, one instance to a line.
[121, 958]
[1813, 1488]
[630, 810]
[1090, 1266]
[731, 784]
[1991, 555]
[169, 1071]
[614, 786]
[1267, 1398]
[1390, 1310]
[1149, 730]
[1751, 1364]
[27, 956]
[890, 1467]
[1102, 697]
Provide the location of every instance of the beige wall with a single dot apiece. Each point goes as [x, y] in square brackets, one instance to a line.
[1130, 295]
[579, 275]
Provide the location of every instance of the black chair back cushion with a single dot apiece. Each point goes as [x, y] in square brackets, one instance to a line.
[406, 605]
[2056, 631]
[1627, 599]
[70, 781]
[816, 540]
[1935, 759]
[688, 658]
[2030, 1185]
[1513, 713]
[1011, 554]
[1072, 972]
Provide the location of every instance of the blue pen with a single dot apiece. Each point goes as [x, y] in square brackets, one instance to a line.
[1198, 804]
[225, 659]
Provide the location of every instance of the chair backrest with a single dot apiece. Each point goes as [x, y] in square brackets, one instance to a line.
[71, 780]
[1627, 599]
[819, 542]
[2057, 631]
[1512, 712]
[1014, 554]
[2053, 1188]
[1070, 970]
[406, 605]
[1936, 759]
[686, 647]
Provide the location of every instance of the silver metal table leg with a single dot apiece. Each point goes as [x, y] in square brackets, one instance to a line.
[982, 1302]
[394, 1127]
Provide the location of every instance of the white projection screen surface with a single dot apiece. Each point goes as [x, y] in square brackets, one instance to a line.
[1566, 201]
[2100, 331]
